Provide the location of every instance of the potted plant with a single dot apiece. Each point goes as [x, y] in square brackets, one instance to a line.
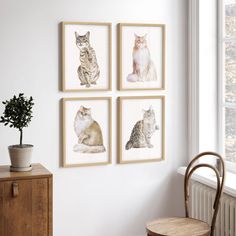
[18, 114]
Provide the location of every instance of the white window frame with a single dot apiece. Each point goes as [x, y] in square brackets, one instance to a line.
[193, 82]
[220, 77]
[221, 103]
[196, 76]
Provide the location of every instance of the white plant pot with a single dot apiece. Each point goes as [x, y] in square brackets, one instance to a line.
[20, 157]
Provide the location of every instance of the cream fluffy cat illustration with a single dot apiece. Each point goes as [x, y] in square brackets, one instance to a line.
[88, 131]
[143, 67]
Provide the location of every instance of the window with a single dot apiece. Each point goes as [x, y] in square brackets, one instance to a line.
[227, 78]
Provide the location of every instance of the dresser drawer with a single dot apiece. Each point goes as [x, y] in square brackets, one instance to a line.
[25, 207]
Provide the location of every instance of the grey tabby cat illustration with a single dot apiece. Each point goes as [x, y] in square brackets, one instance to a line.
[143, 131]
[88, 71]
[88, 131]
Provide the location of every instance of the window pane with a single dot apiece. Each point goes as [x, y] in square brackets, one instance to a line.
[230, 18]
[230, 134]
[230, 72]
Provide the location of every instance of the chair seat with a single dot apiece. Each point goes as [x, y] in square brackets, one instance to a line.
[177, 226]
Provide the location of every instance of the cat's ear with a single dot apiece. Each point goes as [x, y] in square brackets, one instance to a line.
[145, 36]
[76, 34]
[136, 36]
[143, 111]
[81, 108]
[150, 108]
[87, 35]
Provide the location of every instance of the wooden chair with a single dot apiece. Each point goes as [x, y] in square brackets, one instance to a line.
[186, 226]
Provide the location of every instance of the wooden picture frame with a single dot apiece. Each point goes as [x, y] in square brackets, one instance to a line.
[87, 121]
[128, 120]
[89, 43]
[151, 75]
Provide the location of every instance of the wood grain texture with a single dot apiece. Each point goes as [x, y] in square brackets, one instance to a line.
[28, 213]
[37, 171]
[109, 148]
[50, 204]
[1, 207]
[120, 46]
[220, 183]
[121, 101]
[109, 27]
[39, 207]
[17, 210]
[187, 226]
[177, 226]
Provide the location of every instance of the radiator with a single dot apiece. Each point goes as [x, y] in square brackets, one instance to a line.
[201, 207]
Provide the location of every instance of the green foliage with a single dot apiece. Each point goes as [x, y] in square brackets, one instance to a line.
[17, 113]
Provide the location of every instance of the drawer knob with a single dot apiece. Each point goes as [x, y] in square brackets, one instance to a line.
[15, 189]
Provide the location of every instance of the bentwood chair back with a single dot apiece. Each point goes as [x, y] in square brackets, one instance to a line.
[186, 226]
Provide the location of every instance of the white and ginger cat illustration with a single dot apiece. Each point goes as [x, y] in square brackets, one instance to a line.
[143, 67]
[88, 131]
[88, 71]
[142, 131]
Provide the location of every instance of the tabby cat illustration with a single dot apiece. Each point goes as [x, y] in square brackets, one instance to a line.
[88, 131]
[88, 71]
[143, 131]
[143, 67]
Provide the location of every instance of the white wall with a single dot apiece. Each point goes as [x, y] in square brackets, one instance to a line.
[114, 200]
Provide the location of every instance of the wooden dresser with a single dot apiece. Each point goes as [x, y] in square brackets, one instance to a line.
[26, 202]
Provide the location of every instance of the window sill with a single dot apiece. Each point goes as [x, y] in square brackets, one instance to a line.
[208, 178]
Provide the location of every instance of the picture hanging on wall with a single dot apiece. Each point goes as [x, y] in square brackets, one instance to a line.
[141, 56]
[141, 129]
[86, 131]
[86, 56]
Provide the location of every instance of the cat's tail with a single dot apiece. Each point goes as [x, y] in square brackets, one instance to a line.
[128, 145]
[132, 78]
[152, 73]
[82, 148]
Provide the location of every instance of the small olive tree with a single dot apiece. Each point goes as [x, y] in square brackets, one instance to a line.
[17, 113]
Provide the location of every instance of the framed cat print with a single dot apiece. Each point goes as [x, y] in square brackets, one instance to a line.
[141, 129]
[86, 56]
[141, 56]
[86, 131]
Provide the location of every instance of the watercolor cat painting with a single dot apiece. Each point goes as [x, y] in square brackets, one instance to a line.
[88, 132]
[143, 67]
[142, 131]
[88, 70]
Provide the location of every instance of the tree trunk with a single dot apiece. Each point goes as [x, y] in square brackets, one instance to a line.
[21, 134]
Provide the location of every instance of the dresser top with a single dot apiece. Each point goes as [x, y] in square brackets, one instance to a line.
[38, 171]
